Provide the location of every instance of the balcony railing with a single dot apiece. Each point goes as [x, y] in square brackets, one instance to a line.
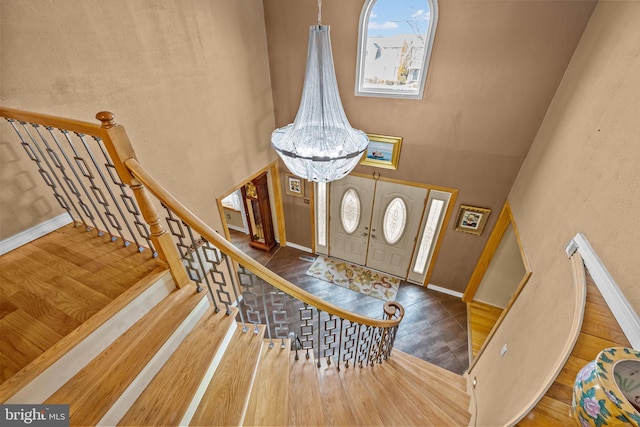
[95, 176]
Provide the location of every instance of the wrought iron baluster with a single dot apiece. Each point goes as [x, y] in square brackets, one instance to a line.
[352, 339]
[340, 332]
[306, 329]
[79, 180]
[319, 341]
[354, 352]
[61, 168]
[364, 344]
[51, 182]
[99, 194]
[177, 229]
[330, 326]
[129, 203]
[377, 345]
[266, 312]
[214, 256]
[280, 316]
[194, 256]
[235, 285]
[251, 297]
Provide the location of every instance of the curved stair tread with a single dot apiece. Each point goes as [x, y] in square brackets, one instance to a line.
[368, 399]
[305, 405]
[335, 398]
[177, 382]
[439, 399]
[432, 370]
[407, 405]
[98, 385]
[270, 385]
[225, 400]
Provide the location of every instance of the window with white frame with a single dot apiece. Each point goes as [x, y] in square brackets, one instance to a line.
[394, 46]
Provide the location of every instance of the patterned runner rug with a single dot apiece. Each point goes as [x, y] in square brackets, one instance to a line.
[355, 277]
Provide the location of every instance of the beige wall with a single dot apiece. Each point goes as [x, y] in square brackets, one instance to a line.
[494, 69]
[581, 175]
[189, 79]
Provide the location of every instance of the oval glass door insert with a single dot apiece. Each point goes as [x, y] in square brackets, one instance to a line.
[395, 221]
[350, 211]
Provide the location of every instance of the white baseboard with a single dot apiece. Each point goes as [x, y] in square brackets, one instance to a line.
[299, 247]
[617, 302]
[444, 290]
[236, 228]
[61, 371]
[24, 237]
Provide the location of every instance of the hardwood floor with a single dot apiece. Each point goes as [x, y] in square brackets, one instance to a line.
[482, 318]
[435, 324]
[52, 285]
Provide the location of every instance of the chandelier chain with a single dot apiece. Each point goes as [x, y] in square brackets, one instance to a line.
[319, 12]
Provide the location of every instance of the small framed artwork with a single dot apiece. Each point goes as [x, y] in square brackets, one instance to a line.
[471, 219]
[294, 186]
[382, 152]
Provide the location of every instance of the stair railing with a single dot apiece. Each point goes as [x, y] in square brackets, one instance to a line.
[96, 177]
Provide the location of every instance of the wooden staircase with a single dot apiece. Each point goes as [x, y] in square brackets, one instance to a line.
[216, 374]
[180, 363]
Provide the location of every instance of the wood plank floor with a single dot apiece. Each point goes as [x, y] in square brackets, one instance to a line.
[482, 318]
[435, 324]
[52, 285]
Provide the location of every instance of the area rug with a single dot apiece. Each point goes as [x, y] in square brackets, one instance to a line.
[355, 277]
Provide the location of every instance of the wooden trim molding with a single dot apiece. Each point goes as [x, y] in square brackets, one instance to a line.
[276, 202]
[619, 305]
[502, 223]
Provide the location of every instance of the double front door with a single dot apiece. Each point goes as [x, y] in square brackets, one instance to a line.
[375, 223]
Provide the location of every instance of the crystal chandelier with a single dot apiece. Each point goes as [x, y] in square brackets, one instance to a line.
[320, 145]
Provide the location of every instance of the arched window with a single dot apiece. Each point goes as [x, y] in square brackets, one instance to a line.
[394, 46]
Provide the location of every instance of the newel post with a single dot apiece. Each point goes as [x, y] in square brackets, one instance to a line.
[120, 149]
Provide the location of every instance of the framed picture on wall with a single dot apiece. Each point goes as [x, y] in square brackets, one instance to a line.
[382, 152]
[471, 219]
[294, 186]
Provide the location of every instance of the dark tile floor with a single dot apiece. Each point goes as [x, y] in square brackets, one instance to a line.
[435, 324]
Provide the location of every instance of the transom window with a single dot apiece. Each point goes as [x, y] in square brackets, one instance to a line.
[394, 46]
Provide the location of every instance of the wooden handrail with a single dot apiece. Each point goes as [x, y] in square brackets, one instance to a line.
[249, 263]
[79, 126]
[114, 139]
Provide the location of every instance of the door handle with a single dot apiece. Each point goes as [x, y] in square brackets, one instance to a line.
[373, 236]
[364, 234]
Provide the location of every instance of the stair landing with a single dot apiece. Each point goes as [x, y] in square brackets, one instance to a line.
[51, 286]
